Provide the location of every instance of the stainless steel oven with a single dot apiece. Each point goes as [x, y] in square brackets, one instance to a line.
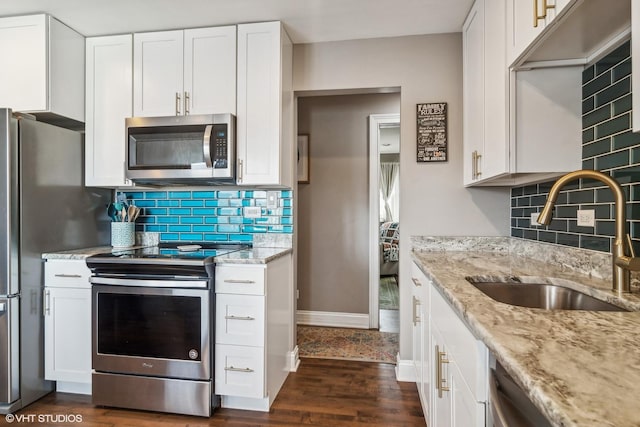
[153, 328]
[152, 331]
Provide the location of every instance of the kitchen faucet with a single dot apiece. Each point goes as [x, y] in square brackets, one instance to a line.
[621, 263]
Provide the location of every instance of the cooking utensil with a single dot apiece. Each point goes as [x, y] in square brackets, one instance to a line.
[135, 214]
[123, 214]
[112, 212]
[131, 210]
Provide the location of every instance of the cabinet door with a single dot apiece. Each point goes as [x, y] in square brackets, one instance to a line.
[210, 70]
[239, 371]
[23, 43]
[418, 334]
[473, 92]
[66, 71]
[67, 334]
[466, 411]
[240, 319]
[524, 27]
[158, 73]
[259, 103]
[109, 92]
[441, 408]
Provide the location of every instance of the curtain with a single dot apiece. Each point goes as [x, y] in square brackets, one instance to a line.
[388, 176]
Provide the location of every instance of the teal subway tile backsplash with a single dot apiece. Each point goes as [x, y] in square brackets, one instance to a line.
[210, 215]
[608, 145]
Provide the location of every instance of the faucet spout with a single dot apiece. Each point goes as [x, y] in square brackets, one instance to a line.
[621, 263]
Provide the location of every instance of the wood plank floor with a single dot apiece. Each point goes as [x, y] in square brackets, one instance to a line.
[323, 392]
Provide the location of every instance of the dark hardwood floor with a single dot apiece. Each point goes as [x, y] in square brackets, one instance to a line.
[323, 393]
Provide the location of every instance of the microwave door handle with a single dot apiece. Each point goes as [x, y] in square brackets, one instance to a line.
[206, 145]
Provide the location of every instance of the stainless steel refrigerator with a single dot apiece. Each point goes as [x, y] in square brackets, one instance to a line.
[45, 208]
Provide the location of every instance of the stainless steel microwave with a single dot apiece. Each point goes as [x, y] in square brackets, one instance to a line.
[194, 149]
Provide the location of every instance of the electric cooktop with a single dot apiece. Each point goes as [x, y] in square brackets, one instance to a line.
[179, 253]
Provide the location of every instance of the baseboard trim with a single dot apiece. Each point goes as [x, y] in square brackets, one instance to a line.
[294, 360]
[332, 319]
[405, 371]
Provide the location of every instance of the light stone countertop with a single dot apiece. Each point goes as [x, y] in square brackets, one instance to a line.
[579, 368]
[248, 256]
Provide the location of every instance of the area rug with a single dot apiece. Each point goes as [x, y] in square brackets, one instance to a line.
[348, 344]
[388, 293]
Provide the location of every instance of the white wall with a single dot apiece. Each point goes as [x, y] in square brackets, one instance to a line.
[433, 201]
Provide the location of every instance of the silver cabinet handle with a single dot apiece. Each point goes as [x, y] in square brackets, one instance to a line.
[68, 276]
[232, 317]
[47, 301]
[239, 281]
[416, 282]
[240, 170]
[231, 368]
[416, 318]
[187, 100]
[177, 103]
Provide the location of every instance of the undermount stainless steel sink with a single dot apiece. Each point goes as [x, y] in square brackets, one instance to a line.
[543, 295]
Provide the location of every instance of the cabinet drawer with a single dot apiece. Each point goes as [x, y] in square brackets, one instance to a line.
[239, 371]
[246, 279]
[67, 273]
[468, 353]
[240, 319]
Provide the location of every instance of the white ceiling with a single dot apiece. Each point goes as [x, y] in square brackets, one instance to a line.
[306, 21]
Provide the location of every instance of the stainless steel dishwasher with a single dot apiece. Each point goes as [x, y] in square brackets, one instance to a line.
[509, 405]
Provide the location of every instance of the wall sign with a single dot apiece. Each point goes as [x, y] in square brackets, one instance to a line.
[432, 132]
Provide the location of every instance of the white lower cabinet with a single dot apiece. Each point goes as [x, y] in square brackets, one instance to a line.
[453, 378]
[421, 338]
[254, 332]
[67, 325]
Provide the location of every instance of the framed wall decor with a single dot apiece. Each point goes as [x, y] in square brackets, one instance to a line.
[303, 159]
[432, 132]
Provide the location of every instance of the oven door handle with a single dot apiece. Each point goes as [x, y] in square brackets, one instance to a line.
[167, 283]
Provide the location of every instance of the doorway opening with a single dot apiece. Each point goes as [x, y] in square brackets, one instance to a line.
[337, 253]
[384, 215]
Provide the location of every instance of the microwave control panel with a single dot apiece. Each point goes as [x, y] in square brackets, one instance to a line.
[220, 146]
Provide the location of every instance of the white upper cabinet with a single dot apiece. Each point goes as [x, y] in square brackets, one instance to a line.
[543, 33]
[43, 70]
[109, 101]
[512, 120]
[185, 72]
[265, 105]
[529, 20]
[210, 70]
[485, 89]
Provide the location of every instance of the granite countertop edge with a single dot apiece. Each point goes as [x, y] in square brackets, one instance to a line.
[262, 255]
[563, 360]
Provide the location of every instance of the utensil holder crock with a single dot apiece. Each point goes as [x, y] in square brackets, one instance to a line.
[123, 234]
